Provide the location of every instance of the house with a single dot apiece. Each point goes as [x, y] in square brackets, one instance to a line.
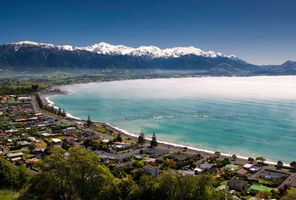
[124, 164]
[56, 141]
[241, 173]
[247, 166]
[33, 139]
[254, 169]
[39, 150]
[206, 166]
[121, 145]
[45, 134]
[24, 143]
[149, 160]
[15, 159]
[179, 157]
[271, 174]
[31, 161]
[105, 141]
[186, 172]
[232, 167]
[198, 170]
[238, 185]
[151, 170]
[155, 152]
[251, 167]
[14, 154]
[138, 157]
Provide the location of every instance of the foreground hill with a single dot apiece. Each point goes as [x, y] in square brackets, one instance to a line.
[39, 57]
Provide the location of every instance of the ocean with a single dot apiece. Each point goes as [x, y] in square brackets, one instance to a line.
[246, 116]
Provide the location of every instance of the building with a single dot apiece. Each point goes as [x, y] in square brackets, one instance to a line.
[238, 185]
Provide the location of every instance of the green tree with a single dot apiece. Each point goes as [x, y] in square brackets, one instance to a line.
[12, 176]
[293, 165]
[123, 189]
[279, 164]
[88, 121]
[291, 195]
[153, 142]
[251, 160]
[24, 176]
[260, 159]
[141, 138]
[72, 175]
[118, 138]
[8, 174]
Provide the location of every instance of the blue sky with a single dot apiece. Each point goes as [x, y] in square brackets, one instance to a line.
[259, 31]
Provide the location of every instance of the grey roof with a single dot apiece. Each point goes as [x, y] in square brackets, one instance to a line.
[155, 152]
[180, 157]
[119, 156]
[269, 174]
[238, 185]
[206, 166]
[120, 165]
[151, 170]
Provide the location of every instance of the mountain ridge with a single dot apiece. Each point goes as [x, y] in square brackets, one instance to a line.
[30, 57]
[109, 49]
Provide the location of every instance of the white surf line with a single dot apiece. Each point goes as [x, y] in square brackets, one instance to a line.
[51, 103]
[188, 147]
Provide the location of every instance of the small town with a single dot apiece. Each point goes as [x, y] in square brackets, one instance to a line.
[30, 128]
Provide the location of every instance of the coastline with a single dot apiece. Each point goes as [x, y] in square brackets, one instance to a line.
[173, 145]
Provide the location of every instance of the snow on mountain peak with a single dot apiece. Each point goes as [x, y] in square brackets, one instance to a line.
[148, 51]
[43, 45]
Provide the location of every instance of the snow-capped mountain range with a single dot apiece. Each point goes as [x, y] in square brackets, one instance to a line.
[27, 56]
[142, 51]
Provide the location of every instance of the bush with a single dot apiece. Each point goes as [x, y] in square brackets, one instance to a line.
[12, 176]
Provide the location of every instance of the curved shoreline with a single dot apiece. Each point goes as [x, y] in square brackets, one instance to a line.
[159, 141]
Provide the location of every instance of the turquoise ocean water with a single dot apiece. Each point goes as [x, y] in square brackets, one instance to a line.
[209, 113]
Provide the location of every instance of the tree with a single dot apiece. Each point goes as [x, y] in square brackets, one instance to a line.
[32, 146]
[12, 176]
[118, 138]
[279, 164]
[64, 114]
[8, 174]
[124, 188]
[153, 142]
[141, 138]
[251, 160]
[79, 175]
[59, 111]
[293, 165]
[260, 160]
[24, 175]
[87, 142]
[291, 195]
[34, 88]
[67, 145]
[88, 122]
[233, 157]
[217, 154]
[263, 195]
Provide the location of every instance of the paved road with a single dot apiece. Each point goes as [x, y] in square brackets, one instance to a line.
[291, 181]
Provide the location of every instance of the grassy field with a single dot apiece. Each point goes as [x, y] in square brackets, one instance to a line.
[8, 194]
